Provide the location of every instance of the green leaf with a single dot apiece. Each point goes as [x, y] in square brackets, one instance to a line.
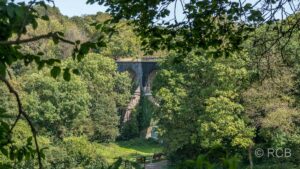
[50, 62]
[2, 69]
[67, 75]
[20, 12]
[27, 156]
[43, 153]
[248, 6]
[4, 151]
[29, 140]
[20, 155]
[10, 11]
[116, 164]
[76, 71]
[55, 40]
[40, 53]
[41, 65]
[5, 126]
[60, 33]
[55, 71]
[45, 17]
[34, 24]
[11, 155]
[43, 4]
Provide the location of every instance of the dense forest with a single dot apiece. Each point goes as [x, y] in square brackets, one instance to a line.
[227, 97]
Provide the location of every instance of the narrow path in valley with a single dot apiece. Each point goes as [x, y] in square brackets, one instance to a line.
[158, 165]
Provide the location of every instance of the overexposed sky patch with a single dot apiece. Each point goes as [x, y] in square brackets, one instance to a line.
[77, 7]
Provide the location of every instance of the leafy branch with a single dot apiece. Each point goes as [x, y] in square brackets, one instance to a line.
[17, 17]
[53, 35]
[26, 116]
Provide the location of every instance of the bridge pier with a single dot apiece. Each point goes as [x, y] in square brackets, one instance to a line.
[143, 73]
[132, 104]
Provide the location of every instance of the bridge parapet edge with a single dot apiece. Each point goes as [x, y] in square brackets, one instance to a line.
[144, 59]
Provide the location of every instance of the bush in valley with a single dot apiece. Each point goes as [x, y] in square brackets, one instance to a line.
[130, 129]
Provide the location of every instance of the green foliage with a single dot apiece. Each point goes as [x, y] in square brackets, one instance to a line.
[199, 103]
[123, 44]
[39, 23]
[109, 92]
[222, 111]
[130, 129]
[51, 102]
[213, 96]
[80, 106]
[15, 151]
[56, 106]
[16, 21]
[218, 25]
[72, 152]
[203, 163]
[128, 150]
[145, 111]
[271, 101]
[80, 153]
[140, 120]
[4, 130]
[124, 164]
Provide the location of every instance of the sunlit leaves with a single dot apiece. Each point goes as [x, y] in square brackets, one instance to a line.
[106, 87]
[16, 18]
[15, 21]
[221, 123]
[8, 147]
[199, 105]
[56, 104]
[207, 24]
[4, 130]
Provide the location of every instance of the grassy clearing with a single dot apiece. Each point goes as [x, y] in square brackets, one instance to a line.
[128, 149]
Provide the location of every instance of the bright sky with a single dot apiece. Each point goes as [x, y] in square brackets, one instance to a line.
[77, 7]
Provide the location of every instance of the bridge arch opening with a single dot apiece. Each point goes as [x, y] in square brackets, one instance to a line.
[134, 79]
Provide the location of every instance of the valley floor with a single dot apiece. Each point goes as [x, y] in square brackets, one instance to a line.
[129, 150]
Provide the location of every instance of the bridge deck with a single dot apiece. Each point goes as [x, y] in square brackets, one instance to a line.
[145, 59]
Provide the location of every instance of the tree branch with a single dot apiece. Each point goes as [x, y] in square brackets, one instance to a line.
[45, 36]
[31, 3]
[15, 123]
[25, 115]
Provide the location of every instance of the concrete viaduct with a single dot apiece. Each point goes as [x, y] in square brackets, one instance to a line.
[142, 71]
